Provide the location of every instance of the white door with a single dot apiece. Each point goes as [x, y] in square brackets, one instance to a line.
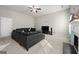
[6, 26]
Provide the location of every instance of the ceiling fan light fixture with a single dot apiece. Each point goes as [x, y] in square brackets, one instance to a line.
[34, 8]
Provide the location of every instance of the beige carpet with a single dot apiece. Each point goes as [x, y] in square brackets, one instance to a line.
[50, 45]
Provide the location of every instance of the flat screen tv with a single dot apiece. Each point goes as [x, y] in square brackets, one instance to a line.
[45, 28]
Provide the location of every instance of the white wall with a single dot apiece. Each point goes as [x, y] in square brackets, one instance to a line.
[19, 20]
[58, 21]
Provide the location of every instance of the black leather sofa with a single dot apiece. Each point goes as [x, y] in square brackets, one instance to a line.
[27, 38]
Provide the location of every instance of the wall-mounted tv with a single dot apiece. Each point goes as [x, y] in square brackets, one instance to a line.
[45, 29]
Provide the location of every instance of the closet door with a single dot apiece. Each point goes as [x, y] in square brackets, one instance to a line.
[6, 26]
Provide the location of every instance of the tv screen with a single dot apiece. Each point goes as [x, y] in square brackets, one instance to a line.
[45, 28]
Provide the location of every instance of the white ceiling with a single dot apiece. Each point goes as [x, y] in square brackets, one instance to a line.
[46, 9]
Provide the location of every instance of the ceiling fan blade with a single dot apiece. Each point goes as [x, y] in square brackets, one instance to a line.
[30, 7]
[36, 11]
[38, 8]
[31, 10]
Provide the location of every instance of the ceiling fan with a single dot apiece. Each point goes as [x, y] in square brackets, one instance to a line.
[34, 8]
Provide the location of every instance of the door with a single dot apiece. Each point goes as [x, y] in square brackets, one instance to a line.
[6, 26]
